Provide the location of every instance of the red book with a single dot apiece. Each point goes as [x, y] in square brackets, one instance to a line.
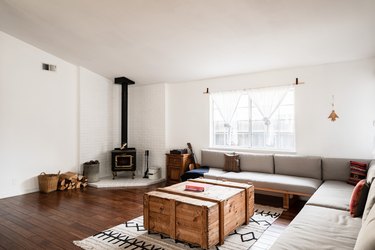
[197, 187]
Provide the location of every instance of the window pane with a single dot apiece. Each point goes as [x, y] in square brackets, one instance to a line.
[255, 114]
[248, 128]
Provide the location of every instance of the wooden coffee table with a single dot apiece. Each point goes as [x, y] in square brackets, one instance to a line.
[234, 205]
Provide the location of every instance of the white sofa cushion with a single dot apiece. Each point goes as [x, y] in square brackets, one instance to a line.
[302, 166]
[332, 194]
[319, 228]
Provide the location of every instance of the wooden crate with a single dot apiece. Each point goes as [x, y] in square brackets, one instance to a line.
[249, 191]
[235, 205]
[182, 218]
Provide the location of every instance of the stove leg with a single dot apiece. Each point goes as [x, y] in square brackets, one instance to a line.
[133, 175]
[114, 174]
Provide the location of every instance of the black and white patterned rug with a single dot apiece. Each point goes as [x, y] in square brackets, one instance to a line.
[132, 235]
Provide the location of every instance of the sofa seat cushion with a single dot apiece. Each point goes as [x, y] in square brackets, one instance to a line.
[319, 228]
[332, 194]
[275, 181]
[214, 173]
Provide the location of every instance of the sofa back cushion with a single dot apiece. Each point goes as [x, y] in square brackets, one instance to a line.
[369, 203]
[371, 171]
[213, 158]
[338, 169]
[303, 166]
[366, 239]
[262, 163]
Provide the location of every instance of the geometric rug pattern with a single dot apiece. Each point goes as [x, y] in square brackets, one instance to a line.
[132, 235]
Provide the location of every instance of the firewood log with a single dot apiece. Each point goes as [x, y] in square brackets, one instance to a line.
[69, 176]
[70, 180]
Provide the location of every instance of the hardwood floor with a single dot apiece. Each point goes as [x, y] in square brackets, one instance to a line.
[53, 221]
[274, 231]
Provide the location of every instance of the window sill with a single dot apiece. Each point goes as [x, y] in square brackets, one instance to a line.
[252, 150]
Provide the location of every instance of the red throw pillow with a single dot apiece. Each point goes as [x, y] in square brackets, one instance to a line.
[358, 199]
[358, 171]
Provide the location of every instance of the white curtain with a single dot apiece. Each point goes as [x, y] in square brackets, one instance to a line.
[227, 103]
[267, 101]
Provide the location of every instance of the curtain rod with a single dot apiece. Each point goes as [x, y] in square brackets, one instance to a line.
[297, 82]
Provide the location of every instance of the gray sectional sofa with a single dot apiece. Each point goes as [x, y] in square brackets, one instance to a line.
[325, 221]
[283, 174]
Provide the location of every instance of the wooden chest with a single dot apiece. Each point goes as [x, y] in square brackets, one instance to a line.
[248, 188]
[176, 166]
[235, 200]
[182, 218]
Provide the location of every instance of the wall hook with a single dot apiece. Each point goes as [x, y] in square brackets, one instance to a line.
[297, 82]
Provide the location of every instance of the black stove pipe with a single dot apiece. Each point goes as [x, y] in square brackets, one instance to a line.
[124, 106]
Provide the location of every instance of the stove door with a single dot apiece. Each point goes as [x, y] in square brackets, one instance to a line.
[124, 162]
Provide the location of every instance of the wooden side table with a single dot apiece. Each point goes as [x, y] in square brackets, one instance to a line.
[176, 166]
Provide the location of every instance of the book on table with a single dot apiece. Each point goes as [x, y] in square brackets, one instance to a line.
[196, 187]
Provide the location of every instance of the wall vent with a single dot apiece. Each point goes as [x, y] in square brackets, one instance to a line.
[48, 67]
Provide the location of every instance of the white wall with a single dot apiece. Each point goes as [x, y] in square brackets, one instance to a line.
[352, 83]
[38, 116]
[188, 113]
[99, 119]
[147, 129]
[51, 121]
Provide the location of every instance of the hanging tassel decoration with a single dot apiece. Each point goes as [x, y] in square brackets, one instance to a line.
[333, 116]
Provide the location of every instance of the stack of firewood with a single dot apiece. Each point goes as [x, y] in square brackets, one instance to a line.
[70, 180]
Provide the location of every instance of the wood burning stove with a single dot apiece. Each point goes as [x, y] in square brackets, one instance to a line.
[124, 159]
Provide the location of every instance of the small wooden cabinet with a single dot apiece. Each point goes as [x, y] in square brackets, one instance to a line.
[176, 166]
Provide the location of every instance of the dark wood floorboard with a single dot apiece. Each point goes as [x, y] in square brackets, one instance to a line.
[55, 220]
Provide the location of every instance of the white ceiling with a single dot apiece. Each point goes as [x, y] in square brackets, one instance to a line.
[151, 41]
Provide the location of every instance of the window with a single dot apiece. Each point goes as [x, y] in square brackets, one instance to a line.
[255, 118]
